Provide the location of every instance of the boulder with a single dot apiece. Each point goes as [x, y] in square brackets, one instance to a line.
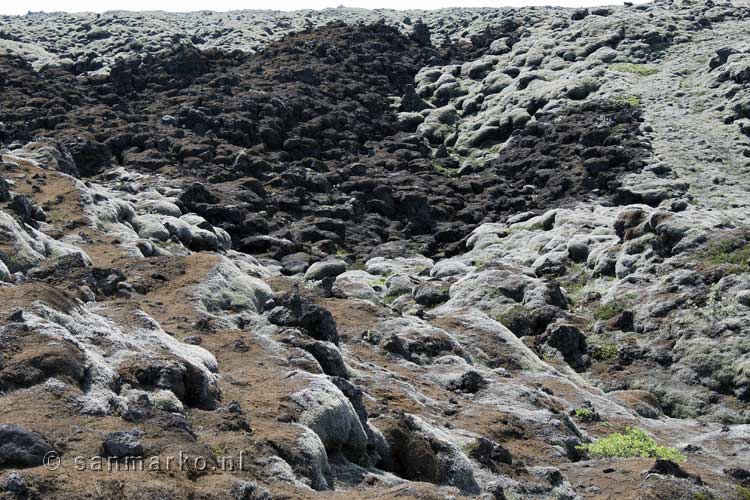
[4, 191]
[20, 447]
[326, 411]
[469, 382]
[296, 311]
[490, 454]
[569, 341]
[325, 269]
[431, 294]
[122, 444]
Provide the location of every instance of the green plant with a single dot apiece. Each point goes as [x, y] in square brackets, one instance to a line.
[637, 69]
[389, 299]
[630, 100]
[633, 443]
[583, 413]
[742, 493]
[608, 311]
[607, 351]
[166, 404]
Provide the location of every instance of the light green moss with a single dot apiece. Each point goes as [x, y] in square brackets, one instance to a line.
[636, 69]
[629, 100]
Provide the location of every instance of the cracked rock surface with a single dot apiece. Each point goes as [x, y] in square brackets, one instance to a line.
[374, 254]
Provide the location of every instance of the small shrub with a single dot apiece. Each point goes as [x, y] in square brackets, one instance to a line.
[583, 413]
[587, 415]
[607, 352]
[743, 493]
[637, 69]
[166, 404]
[633, 443]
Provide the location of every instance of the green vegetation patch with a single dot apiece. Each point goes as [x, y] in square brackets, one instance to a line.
[636, 69]
[743, 493]
[608, 311]
[732, 255]
[377, 282]
[607, 352]
[631, 100]
[446, 171]
[633, 443]
[583, 413]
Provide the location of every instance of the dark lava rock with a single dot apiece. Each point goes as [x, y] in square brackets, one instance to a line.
[4, 190]
[421, 33]
[329, 358]
[570, 341]
[470, 382]
[296, 263]
[721, 57]
[27, 211]
[274, 137]
[123, 444]
[325, 269]
[297, 311]
[430, 294]
[189, 383]
[579, 14]
[417, 456]
[20, 447]
[90, 156]
[490, 454]
[669, 468]
[742, 476]
[550, 153]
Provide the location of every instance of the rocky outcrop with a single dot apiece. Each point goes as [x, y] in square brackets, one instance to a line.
[376, 254]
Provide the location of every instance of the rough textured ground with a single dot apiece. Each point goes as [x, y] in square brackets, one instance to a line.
[375, 254]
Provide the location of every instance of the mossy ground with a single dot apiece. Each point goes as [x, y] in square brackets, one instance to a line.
[637, 69]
